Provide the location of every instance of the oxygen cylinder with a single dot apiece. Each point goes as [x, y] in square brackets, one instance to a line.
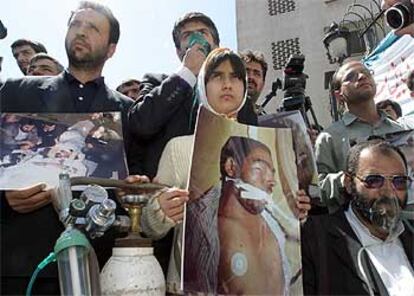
[73, 256]
[132, 271]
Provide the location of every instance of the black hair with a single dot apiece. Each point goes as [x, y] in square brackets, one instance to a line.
[42, 55]
[238, 148]
[410, 80]
[27, 121]
[194, 17]
[249, 56]
[394, 105]
[35, 45]
[220, 55]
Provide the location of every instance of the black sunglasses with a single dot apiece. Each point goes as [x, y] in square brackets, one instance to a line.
[400, 182]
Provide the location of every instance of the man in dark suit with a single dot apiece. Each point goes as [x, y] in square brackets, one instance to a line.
[167, 100]
[166, 107]
[30, 226]
[364, 248]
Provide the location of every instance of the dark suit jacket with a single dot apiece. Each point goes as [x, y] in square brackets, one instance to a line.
[28, 238]
[51, 94]
[166, 109]
[329, 257]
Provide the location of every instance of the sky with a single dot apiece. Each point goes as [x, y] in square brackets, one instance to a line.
[145, 44]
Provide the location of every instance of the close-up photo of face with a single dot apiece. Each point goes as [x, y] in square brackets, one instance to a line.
[258, 170]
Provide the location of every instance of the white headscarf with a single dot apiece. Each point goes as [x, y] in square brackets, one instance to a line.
[202, 94]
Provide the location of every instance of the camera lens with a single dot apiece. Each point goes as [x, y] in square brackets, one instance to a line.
[399, 16]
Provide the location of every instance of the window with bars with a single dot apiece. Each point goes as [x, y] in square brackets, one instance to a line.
[280, 6]
[281, 51]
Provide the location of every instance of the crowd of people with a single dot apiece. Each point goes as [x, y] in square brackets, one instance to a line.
[360, 246]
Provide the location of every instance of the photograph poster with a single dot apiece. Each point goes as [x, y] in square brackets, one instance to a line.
[305, 157]
[240, 234]
[38, 147]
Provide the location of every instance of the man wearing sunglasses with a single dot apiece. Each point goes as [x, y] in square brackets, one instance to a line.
[354, 87]
[363, 248]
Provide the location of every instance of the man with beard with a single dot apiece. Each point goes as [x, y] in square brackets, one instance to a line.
[30, 226]
[363, 248]
[354, 87]
[256, 68]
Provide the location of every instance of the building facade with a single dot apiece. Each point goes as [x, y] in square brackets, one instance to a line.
[280, 28]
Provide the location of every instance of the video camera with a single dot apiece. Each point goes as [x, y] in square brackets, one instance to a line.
[400, 15]
[294, 83]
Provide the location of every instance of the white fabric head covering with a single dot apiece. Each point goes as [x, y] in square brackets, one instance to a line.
[202, 94]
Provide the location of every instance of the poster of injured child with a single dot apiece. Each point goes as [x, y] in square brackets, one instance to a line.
[240, 233]
[38, 147]
[305, 158]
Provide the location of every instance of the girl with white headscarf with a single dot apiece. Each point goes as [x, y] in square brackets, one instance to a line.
[222, 89]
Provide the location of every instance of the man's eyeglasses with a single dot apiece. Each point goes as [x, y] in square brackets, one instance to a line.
[399, 182]
[353, 75]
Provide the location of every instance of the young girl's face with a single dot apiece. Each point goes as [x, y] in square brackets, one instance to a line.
[225, 91]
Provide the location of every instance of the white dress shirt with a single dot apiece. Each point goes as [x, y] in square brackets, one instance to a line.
[388, 257]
